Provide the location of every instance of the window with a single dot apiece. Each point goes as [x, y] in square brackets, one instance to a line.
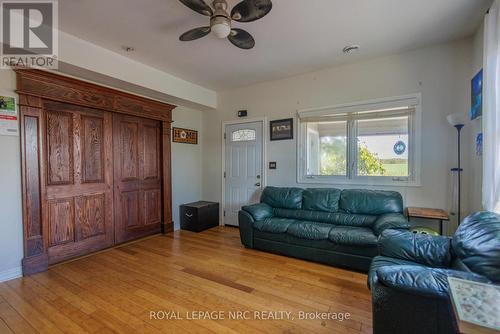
[368, 143]
[327, 148]
[382, 146]
[243, 135]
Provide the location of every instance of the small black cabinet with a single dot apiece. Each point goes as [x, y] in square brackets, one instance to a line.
[199, 216]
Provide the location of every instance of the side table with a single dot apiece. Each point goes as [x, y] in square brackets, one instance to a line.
[426, 213]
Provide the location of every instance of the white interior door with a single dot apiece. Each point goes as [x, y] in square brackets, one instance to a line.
[243, 168]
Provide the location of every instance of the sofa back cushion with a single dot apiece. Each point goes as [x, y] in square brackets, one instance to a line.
[336, 218]
[476, 244]
[286, 198]
[370, 202]
[326, 199]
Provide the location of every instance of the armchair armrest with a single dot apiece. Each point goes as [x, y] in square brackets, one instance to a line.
[425, 249]
[259, 211]
[390, 220]
[423, 281]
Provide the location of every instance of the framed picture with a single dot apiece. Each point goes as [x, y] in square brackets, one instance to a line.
[185, 136]
[7, 105]
[477, 96]
[281, 129]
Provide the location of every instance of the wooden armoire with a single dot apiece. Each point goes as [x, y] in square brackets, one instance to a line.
[96, 167]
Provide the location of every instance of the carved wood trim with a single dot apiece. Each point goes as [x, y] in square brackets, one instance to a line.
[167, 225]
[51, 86]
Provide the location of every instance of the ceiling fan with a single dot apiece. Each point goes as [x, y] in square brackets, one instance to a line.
[220, 20]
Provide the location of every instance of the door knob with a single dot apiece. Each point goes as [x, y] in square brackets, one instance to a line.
[257, 184]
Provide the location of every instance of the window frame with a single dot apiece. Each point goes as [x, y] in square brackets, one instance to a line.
[412, 101]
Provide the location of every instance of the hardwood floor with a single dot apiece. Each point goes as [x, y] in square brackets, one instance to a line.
[116, 291]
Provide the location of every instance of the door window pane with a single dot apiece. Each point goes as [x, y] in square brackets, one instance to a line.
[383, 147]
[243, 135]
[327, 148]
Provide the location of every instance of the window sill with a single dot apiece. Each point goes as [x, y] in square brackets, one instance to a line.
[351, 182]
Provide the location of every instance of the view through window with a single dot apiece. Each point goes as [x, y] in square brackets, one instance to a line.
[360, 145]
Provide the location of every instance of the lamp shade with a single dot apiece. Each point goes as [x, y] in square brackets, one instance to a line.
[457, 119]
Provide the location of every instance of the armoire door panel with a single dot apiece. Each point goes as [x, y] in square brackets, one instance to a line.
[151, 152]
[152, 206]
[61, 215]
[78, 148]
[129, 140]
[137, 156]
[92, 133]
[90, 216]
[130, 209]
[60, 147]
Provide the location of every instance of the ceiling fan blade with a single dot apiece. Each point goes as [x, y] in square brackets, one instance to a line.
[195, 34]
[198, 6]
[241, 39]
[251, 10]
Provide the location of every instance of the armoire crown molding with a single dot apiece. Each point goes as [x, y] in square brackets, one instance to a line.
[55, 87]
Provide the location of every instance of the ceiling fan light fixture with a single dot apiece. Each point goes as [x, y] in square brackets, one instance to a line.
[221, 20]
[221, 27]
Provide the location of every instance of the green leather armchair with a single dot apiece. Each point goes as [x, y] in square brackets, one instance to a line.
[409, 280]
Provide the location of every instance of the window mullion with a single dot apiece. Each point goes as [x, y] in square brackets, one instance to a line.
[351, 145]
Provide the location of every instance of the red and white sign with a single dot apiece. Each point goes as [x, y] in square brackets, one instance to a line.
[9, 125]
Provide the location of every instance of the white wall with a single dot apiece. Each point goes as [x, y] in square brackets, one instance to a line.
[475, 174]
[84, 59]
[440, 73]
[186, 162]
[11, 229]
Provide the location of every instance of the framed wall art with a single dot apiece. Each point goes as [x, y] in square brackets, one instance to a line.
[281, 129]
[185, 136]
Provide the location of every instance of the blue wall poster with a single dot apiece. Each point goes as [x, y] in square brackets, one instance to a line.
[477, 96]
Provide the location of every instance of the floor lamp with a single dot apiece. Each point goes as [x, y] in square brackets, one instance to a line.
[458, 122]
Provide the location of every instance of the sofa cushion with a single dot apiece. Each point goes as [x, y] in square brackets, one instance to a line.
[274, 225]
[350, 235]
[337, 218]
[309, 230]
[477, 244]
[287, 198]
[326, 199]
[371, 202]
[288, 239]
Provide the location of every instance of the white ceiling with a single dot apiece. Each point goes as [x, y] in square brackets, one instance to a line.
[297, 36]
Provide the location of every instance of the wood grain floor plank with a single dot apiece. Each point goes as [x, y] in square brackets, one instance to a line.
[14, 320]
[122, 289]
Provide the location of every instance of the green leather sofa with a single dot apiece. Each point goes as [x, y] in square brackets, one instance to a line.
[409, 280]
[331, 226]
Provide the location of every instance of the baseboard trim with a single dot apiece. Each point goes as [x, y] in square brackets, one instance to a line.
[10, 274]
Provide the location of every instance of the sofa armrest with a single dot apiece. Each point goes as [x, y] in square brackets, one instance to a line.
[432, 251]
[259, 211]
[245, 222]
[423, 281]
[390, 220]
